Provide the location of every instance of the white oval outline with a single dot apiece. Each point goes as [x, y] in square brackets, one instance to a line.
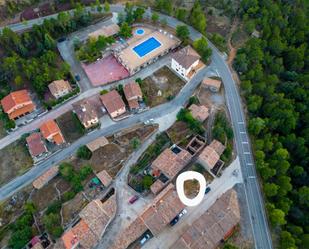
[190, 175]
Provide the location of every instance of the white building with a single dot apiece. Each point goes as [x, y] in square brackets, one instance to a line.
[185, 61]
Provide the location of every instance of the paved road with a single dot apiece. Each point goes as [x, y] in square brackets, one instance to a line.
[157, 112]
[254, 198]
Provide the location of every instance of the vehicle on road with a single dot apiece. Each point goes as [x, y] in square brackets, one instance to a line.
[207, 190]
[133, 199]
[177, 218]
[77, 77]
[144, 239]
[235, 172]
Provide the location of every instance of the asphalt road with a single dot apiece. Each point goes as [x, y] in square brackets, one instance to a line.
[157, 112]
[254, 198]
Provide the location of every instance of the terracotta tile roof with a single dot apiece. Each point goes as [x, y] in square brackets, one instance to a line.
[51, 131]
[186, 56]
[112, 101]
[46, 177]
[199, 112]
[170, 163]
[85, 111]
[133, 104]
[211, 83]
[132, 91]
[155, 217]
[37, 246]
[210, 228]
[157, 186]
[162, 210]
[95, 217]
[35, 144]
[59, 86]
[97, 143]
[105, 178]
[209, 156]
[129, 234]
[17, 103]
[106, 31]
[217, 146]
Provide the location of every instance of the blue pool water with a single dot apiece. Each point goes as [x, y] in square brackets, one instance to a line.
[139, 31]
[147, 46]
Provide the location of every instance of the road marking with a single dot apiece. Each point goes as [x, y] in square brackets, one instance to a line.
[242, 132]
[244, 142]
[251, 177]
[241, 122]
[247, 153]
[250, 164]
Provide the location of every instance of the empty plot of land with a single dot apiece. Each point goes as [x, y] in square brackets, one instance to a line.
[14, 160]
[161, 86]
[70, 126]
[179, 133]
[105, 71]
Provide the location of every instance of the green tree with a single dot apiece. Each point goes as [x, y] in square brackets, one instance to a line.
[52, 223]
[183, 32]
[147, 181]
[197, 17]
[138, 14]
[66, 171]
[84, 153]
[125, 30]
[202, 48]
[135, 143]
[256, 125]
[106, 6]
[181, 14]
[155, 17]
[270, 189]
[277, 217]
[229, 246]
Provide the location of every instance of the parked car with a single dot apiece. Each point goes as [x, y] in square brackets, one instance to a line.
[133, 199]
[62, 39]
[77, 77]
[207, 190]
[177, 218]
[145, 238]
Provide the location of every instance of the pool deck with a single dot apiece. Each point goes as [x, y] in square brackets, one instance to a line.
[130, 59]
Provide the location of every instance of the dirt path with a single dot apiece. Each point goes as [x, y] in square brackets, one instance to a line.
[232, 50]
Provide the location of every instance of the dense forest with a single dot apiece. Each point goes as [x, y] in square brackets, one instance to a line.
[275, 82]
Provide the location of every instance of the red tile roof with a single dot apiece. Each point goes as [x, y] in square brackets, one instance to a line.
[132, 91]
[112, 101]
[17, 103]
[50, 130]
[199, 112]
[36, 144]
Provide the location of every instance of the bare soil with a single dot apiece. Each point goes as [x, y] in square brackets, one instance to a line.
[14, 160]
[161, 85]
[71, 208]
[191, 188]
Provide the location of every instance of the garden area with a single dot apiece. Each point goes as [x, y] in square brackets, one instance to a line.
[161, 87]
[138, 179]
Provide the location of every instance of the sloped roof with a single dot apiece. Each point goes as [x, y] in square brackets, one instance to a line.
[97, 143]
[46, 177]
[217, 146]
[112, 101]
[58, 86]
[35, 144]
[50, 128]
[211, 82]
[186, 56]
[199, 112]
[209, 156]
[106, 31]
[170, 163]
[105, 178]
[210, 228]
[85, 111]
[15, 98]
[132, 90]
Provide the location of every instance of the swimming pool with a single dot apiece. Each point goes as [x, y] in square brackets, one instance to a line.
[147, 46]
[139, 32]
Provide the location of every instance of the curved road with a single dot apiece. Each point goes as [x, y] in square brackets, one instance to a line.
[254, 198]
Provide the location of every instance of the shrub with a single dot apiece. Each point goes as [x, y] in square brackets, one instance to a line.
[84, 153]
[85, 172]
[69, 195]
[147, 181]
[103, 92]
